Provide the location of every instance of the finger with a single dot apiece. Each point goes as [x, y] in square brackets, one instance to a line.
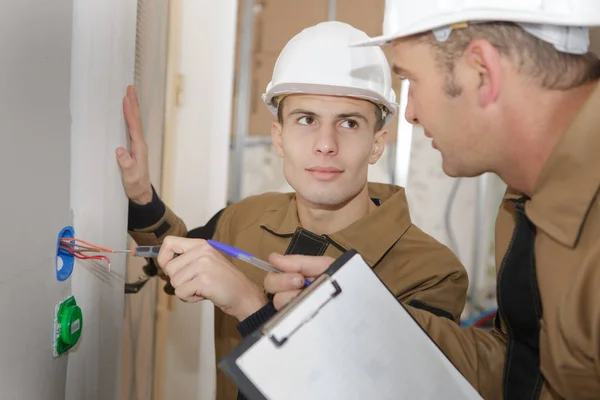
[193, 299]
[134, 101]
[132, 116]
[276, 283]
[124, 159]
[188, 292]
[173, 245]
[281, 299]
[305, 265]
[184, 274]
[175, 264]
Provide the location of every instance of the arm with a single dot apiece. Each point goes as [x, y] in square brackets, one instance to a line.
[254, 321]
[425, 274]
[573, 337]
[478, 354]
[442, 291]
[149, 224]
[149, 219]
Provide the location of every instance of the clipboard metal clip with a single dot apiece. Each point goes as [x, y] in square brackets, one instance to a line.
[304, 308]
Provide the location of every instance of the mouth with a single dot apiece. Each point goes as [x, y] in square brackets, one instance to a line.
[428, 135]
[325, 173]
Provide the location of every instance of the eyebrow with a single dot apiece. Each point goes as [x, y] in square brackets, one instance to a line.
[353, 115]
[401, 71]
[338, 116]
[303, 112]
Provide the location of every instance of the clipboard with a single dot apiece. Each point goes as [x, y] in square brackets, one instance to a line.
[344, 337]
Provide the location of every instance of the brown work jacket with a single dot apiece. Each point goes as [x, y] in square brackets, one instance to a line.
[419, 270]
[552, 309]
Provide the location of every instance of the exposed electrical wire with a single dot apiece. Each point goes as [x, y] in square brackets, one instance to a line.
[71, 246]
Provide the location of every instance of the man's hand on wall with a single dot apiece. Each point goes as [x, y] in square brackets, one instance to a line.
[134, 165]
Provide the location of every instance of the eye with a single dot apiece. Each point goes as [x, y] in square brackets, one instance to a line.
[349, 123]
[306, 121]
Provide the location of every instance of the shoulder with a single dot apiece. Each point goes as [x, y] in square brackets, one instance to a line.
[423, 255]
[253, 209]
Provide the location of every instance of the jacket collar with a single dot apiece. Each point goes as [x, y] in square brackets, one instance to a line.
[372, 236]
[569, 181]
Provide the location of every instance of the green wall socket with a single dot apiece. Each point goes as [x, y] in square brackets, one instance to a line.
[68, 324]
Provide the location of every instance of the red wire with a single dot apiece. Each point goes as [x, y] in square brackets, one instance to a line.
[81, 256]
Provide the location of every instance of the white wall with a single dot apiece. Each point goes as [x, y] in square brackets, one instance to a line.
[195, 177]
[102, 65]
[34, 179]
[63, 71]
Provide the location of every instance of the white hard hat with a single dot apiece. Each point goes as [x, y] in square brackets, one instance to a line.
[563, 23]
[320, 60]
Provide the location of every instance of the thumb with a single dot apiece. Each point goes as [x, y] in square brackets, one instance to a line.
[305, 265]
[124, 159]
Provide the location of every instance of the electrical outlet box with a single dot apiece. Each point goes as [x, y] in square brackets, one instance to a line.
[64, 259]
[67, 327]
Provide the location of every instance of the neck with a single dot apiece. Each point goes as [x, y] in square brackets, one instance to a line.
[542, 119]
[324, 220]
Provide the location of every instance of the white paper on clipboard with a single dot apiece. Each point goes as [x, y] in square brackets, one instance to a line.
[348, 338]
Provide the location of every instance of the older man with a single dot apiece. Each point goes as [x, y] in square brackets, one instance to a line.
[509, 87]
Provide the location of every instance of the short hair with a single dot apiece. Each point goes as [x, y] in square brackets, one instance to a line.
[380, 120]
[552, 69]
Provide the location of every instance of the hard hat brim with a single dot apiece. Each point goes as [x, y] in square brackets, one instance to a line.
[481, 15]
[328, 90]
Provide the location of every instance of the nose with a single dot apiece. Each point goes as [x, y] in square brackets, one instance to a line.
[410, 114]
[326, 142]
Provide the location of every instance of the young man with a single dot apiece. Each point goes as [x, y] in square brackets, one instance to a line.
[520, 99]
[332, 104]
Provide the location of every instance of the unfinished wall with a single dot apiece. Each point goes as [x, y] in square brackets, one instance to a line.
[140, 308]
[102, 66]
[195, 179]
[595, 40]
[34, 174]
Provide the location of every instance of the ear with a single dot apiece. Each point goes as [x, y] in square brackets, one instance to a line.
[276, 138]
[482, 56]
[378, 146]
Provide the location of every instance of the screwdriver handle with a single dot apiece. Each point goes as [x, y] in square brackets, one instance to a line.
[146, 251]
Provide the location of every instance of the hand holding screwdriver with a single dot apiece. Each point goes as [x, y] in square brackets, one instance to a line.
[152, 252]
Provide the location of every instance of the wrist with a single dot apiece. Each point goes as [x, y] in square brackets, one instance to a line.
[144, 198]
[251, 304]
